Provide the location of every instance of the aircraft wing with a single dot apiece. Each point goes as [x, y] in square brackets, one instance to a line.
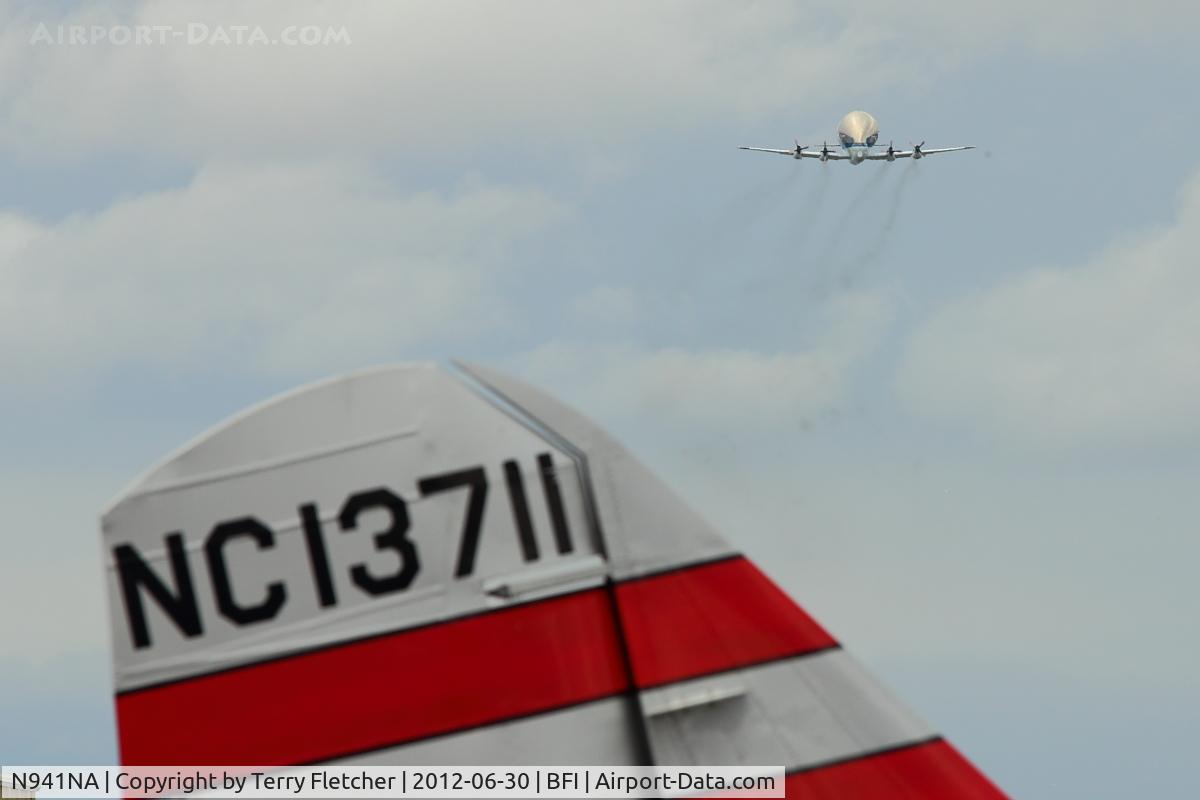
[831, 156]
[408, 565]
[909, 153]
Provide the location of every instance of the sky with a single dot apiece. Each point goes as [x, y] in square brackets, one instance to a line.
[948, 405]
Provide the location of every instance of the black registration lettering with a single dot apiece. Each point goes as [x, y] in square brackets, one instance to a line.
[520, 510]
[476, 480]
[214, 549]
[394, 538]
[554, 504]
[180, 605]
[318, 557]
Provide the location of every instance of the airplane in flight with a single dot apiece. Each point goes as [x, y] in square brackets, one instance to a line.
[857, 134]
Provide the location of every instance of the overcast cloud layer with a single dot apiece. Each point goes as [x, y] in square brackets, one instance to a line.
[446, 76]
[229, 271]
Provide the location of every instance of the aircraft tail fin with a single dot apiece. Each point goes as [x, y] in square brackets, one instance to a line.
[727, 668]
[409, 566]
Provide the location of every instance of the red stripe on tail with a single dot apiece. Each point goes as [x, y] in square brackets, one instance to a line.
[710, 618]
[930, 771]
[464, 673]
[381, 691]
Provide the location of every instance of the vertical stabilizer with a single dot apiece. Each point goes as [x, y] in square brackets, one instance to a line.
[408, 566]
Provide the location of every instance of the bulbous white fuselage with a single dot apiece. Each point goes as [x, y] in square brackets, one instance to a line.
[857, 133]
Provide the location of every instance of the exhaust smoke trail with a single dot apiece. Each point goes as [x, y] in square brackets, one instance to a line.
[875, 246]
[812, 201]
[713, 263]
[803, 219]
[749, 208]
[726, 236]
[825, 267]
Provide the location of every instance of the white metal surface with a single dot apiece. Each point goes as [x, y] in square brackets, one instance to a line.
[798, 712]
[603, 732]
[385, 428]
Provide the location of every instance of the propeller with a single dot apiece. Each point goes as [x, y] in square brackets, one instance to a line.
[799, 148]
[917, 150]
[891, 152]
[824, 151]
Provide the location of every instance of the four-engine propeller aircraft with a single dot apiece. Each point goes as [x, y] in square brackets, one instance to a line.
[408, 565]
[857, 135]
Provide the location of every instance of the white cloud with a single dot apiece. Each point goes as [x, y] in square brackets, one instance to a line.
[436, 78]
[277, 269]
[417, 77]
[1105, 351]
[691, 387]
[713, 388]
